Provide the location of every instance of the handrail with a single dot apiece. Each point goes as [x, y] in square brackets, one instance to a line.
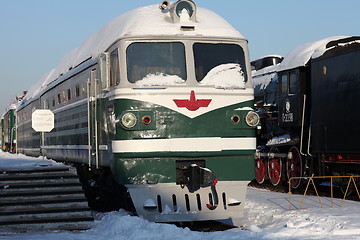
[311, 180]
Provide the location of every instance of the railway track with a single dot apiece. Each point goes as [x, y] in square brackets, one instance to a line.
[43, 199]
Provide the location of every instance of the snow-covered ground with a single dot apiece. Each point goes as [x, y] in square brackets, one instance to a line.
[267, 217]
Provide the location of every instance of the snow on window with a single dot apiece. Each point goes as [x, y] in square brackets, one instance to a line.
[225, 76]
[160, 79]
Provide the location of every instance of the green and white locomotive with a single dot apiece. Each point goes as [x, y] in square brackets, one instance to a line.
[161, 102]
[8, 129]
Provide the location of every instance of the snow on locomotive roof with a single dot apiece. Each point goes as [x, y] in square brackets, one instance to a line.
[140, 22]
[264, 76]
[301, 55]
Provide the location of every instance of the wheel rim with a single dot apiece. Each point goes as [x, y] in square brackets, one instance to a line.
[294, 167]
[260, 170]
[274, 168]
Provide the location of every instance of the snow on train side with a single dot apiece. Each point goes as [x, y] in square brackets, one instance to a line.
[317, 89]
[155, 109]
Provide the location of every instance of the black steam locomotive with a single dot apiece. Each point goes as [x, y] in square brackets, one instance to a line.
[307, 104]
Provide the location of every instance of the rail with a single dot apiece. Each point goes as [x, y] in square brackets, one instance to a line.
[311, 180]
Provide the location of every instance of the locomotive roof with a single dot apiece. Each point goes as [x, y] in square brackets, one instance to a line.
[301, 55]
[141, 22]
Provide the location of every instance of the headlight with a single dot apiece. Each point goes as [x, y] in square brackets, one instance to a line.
[252, 119]
[128, 120]
[189, 6]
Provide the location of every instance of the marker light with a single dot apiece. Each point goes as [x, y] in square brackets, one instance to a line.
[146, 120]
[128, 120]
[252, 119]
[235, 119]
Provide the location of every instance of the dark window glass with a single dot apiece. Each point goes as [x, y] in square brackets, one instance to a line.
[59, 98]
[68, 94]
[208, 56]
[293, 83]
[114, 68]
[77, 91]
[284, 84]
[145, 58]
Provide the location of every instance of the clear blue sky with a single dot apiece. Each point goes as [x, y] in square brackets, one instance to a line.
[36, 34]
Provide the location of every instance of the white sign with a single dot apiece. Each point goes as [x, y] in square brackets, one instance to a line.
[42, 120]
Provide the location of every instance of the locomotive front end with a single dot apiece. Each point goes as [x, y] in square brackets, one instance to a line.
[183, 126]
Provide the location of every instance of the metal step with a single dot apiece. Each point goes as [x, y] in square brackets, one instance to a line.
[43, 199]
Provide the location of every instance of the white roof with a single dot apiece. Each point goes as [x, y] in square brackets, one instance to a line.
[144, 21]
[301, 55]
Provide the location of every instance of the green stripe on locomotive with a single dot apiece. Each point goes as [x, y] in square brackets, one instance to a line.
[167, 123]
[160, 167]
[239, 167]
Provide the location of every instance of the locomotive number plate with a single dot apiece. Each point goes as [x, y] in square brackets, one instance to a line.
[288, 117]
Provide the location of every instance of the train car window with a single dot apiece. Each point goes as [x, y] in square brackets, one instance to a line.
[53, 102]
[84, 89]
[77, 90]
[164, 60]
[208, 56]
[284, 84]
[63, 96]
[59, 98]
[69, 94]
[293, 83]
[114, 68]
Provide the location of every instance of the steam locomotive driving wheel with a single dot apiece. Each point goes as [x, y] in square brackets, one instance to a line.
[274, 168]
[294, 166]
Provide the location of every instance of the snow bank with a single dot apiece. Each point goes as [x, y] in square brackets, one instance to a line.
[267, 216]
[21, 162]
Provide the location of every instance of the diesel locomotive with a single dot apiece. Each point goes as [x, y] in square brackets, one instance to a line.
[157, 107]
[307, 108]
[8, 125]
[8, 130]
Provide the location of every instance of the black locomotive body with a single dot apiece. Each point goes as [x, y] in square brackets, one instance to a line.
[335, 95]
[318, 88]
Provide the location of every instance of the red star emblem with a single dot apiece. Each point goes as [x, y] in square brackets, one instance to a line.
[193, 104]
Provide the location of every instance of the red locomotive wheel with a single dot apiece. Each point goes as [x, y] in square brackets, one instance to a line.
[274, 168]
[260, 170]
[294, 166]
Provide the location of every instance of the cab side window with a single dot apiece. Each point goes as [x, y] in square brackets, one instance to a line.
[293, 83]
[114, 68]
[284, 84]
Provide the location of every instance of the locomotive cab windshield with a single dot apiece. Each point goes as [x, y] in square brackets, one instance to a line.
[165, 63]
